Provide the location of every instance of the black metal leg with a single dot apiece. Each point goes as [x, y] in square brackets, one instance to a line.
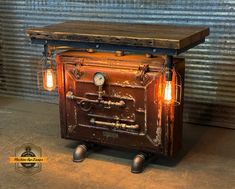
[138, 163]
[79, 153]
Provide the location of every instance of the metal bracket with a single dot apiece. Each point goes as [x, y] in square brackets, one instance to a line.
[77, 73]
[143, 69]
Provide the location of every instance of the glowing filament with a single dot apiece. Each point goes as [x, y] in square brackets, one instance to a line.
[49, 80]
[168, 92]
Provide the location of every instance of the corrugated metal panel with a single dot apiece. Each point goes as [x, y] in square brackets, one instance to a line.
[1, 68]
[210, 81]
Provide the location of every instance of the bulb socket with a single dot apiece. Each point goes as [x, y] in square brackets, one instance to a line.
[169, 75]
[169, 67]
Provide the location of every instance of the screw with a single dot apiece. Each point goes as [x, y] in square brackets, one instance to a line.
[90, 50]
[148, 55]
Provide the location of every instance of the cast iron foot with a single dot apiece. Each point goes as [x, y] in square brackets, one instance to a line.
[79, 153]
[138, 163]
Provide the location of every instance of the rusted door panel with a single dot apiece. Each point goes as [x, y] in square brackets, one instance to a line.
[129, 114]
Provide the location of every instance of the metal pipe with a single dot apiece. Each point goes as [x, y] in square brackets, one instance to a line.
[70, 95]
[114, 124]
[169, 66]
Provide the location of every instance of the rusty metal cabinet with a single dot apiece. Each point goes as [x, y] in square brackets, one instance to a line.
[129, 113]
[116, 99]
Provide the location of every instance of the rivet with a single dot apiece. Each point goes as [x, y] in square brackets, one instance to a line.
[90, 50]
[148, 55]
[119, 53]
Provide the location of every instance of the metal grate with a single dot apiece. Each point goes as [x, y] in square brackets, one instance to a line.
[210, 81]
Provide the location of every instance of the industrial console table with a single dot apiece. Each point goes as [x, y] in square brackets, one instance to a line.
[119, 84]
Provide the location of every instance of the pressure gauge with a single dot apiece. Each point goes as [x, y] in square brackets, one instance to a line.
[99, 79]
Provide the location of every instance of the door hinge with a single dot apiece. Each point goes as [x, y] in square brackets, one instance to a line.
[141, 75]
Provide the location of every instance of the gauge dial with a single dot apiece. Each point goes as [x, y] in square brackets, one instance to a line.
[99, 79]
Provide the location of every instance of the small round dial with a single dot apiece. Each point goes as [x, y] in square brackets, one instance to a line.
[99, 79]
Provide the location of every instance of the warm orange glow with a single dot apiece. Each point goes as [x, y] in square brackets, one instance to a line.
[49, 80]
[168, 92]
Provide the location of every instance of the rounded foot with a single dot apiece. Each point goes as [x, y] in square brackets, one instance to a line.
[79, 153]
[138, 164]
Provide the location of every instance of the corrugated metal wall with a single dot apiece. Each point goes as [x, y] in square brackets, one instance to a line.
[210, 81]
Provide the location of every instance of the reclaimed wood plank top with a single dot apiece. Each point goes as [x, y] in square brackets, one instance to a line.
[145, 35]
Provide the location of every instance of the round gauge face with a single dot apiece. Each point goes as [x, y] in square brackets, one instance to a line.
[99, 79]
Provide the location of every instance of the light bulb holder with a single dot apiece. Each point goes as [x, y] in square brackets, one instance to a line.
[46, 74]
[169, 61]
[169, 67]
[172, 84]
[169, 75]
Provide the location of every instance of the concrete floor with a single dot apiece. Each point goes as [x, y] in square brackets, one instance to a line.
[206, 161]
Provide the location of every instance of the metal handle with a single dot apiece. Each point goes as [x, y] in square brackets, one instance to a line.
[115, 125]
[70, 95]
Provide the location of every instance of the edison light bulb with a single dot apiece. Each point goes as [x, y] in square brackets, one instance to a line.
[49, 79]
[167, 94]
[49, 83]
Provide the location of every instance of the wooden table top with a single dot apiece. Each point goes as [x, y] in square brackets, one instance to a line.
[145, 35]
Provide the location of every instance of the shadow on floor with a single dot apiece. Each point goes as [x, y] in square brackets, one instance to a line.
[192, 135]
